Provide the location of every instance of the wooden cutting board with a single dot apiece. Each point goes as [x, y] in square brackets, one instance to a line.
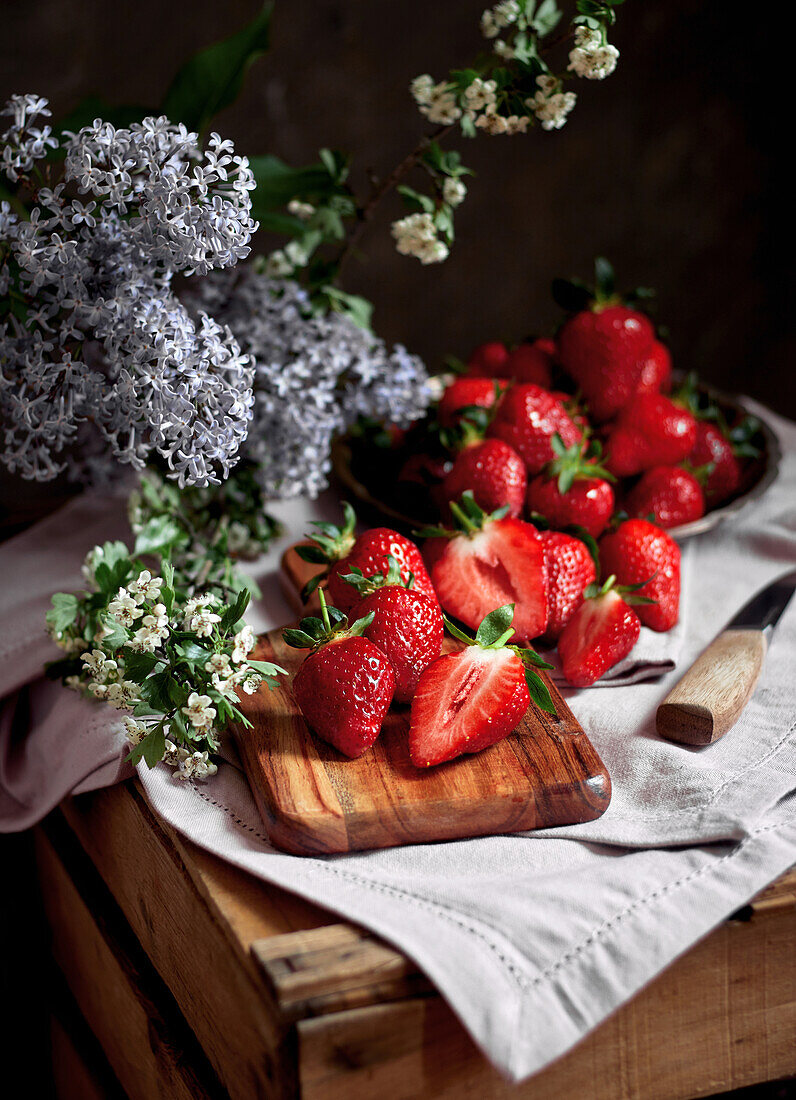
[314, 800]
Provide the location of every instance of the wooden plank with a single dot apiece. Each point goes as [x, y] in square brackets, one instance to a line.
[73, 1077]
[722, 1017]
[143, 1046]
[314, 800]
[196, 928]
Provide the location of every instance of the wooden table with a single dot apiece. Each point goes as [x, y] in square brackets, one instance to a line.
[198, 980]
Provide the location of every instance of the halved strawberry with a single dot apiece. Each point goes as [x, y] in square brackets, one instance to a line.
[489, 561]
[469, 700]
[601, 632]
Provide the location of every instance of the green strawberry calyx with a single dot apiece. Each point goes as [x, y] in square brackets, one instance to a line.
[312, 632]
[473, 421]
[494, 632]
[572, 464]
[628, 592]
[391, 578]
[574, 295]
[469, 518]
[330, 543]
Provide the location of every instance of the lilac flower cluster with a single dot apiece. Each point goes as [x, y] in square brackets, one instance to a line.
[313, 378]
[96, 348]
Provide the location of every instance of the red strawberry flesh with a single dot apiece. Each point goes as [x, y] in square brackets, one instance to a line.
[465, 702]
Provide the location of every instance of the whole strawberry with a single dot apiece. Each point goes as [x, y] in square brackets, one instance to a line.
[532, 362]
[490, 560]
[713, 447]
[656, 370]
[639, 552]
[570, 570]
[573, 489]
[527, 419]
[466, 393]
[345, 687]
[488, 360]
[471, 699]
[406, 625]
[338, 548]
[495, 474]
[603, 344]
[650, 431]
[670, 494]
[600, 634]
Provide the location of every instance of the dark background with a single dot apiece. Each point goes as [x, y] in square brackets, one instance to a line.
[670, 167]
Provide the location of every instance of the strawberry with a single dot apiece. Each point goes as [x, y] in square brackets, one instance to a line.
[406, 625]
[527, 419]
[338, 548]
[650, 431]
[491, 560]
[532, 363]
[469, 700]
[603, 344]
[638, 552]
[464, 393]
[573, 489]
[345, 687]
[493, 471]
[424, 469]
[600, 633]
[656, 370]
[570, 570]
[713, 447]
[670, 494]
[604, 349]
[488, 360]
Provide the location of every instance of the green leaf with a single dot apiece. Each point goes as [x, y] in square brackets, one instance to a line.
[158, 534]
[414, 200]
[455, 632]
[359, 309]
[278, 183]
[539, 692]
[298, 639]
[155, 691]
[267, 669]
[235, 611]
[547, 17]
[63, 611]
[154, 745]
[212, 79]
[494, 626]
[604, 282]
[193, 651]
[137, 666]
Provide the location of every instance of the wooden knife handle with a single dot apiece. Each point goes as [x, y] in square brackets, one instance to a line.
[710, 697]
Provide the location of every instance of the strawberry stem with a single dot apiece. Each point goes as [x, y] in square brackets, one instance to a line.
[324, 611]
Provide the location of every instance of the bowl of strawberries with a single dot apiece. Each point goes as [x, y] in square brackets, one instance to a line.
[578, 430]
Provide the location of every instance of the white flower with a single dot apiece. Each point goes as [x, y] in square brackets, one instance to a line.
[489, 25]
[219, 663]
[173, 755]
[297, 254]
[479, 95]
[97, 663]
[421, 88]
[243, 643]
[134, 731]
[145, 587]
[122, 694]
[124, 609]
[453, 191]
[196, 766]
[277, 264]
[438, 103]
[591, 58]
[203, 621]
[551, 107]
[251, 684]
[416, 235]
[503, 49]
[298, 209]
[199, 711]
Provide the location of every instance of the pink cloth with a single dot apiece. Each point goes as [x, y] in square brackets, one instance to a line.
[78, 744]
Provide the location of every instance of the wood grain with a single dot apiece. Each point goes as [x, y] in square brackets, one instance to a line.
[294, 575]
[709, 699]
[315, 800]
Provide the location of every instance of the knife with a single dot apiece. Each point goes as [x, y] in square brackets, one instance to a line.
[710, 697]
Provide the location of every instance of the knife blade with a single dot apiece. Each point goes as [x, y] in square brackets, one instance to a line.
[709, 699]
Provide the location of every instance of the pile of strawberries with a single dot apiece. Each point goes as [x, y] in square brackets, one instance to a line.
[555, 467]
[381, 643]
